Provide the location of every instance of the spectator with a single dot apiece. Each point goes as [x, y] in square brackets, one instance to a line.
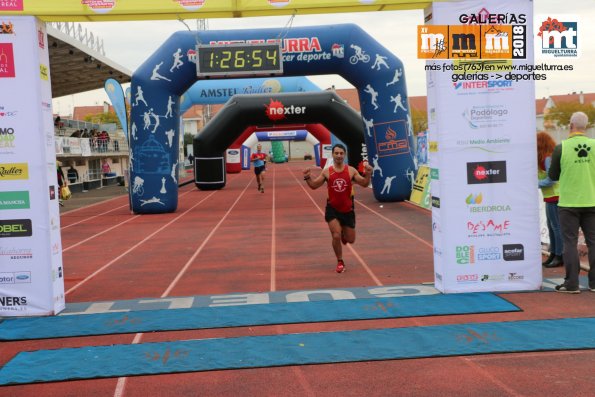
[550, 191]
[103, 141]
[61, 181]
[95, 140]
[105, 168]
[73, 174]
[573, 163]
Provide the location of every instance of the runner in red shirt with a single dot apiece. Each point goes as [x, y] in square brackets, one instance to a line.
[339, 213]
[259, 159]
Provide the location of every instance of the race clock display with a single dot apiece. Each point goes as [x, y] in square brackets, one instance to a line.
[238, 59]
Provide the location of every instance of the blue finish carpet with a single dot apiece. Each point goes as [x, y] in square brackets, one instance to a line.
[251, 315]
[298, 349]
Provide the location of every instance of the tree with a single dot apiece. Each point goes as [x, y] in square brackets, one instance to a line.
[560, 114]
[103, 118]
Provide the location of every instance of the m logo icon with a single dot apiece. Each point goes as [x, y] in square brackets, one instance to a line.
[465, 41]
[432, 42]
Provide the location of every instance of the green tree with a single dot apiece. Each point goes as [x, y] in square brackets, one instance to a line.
[103, 118]
[560, 114]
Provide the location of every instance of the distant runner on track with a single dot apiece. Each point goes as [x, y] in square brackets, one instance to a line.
[259, 159]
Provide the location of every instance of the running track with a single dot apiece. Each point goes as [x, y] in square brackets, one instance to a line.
[239, 240]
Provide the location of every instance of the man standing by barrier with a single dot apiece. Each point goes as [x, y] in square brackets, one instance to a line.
[573, 163]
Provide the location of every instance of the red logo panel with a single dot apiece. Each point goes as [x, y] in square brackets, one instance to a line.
[11, 5]
[6, 60]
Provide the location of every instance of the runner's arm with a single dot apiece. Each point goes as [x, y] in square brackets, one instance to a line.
[364, 180]
[314, 183]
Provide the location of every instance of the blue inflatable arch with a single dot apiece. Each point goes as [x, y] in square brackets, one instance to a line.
[345, 50]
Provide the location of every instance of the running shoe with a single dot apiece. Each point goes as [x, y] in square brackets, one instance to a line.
[340, 266]
[261, 190]
[566, 289]
[258, 188]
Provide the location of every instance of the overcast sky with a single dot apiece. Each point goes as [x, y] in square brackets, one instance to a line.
[130, 43]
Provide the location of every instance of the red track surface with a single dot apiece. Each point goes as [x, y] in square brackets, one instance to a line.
[239, 240]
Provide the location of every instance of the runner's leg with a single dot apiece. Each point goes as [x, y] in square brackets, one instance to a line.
[335, 229]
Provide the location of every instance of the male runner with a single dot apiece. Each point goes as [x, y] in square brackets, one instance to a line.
[259, 159]
[339, 213]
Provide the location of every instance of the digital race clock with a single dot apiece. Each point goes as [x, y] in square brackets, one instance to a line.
[238, 59]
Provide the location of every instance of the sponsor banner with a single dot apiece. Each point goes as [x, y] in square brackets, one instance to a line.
[30, 226]
[14, 200]
[9, 254]
[233, 156]
[420, 192]
[59, 145]
[14, 171]
[298, 135]
[421, 152]
[15, 278]
[15, 228]
[126, 10]
[488, 216]
[327, 151]
[474, 40]
[7, 65]
[116, 95]
[11, 5]
[74, 145]
[8, 140]
[85, 144]
[486, 172]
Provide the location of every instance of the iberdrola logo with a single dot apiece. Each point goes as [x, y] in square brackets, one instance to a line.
[474, 199]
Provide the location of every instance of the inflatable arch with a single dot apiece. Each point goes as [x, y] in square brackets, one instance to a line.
[281, 135]
[206, 92]
[346, 50]
[316, 134]
[242, 111]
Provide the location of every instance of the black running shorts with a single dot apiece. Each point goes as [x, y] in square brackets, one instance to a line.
[345, 218]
